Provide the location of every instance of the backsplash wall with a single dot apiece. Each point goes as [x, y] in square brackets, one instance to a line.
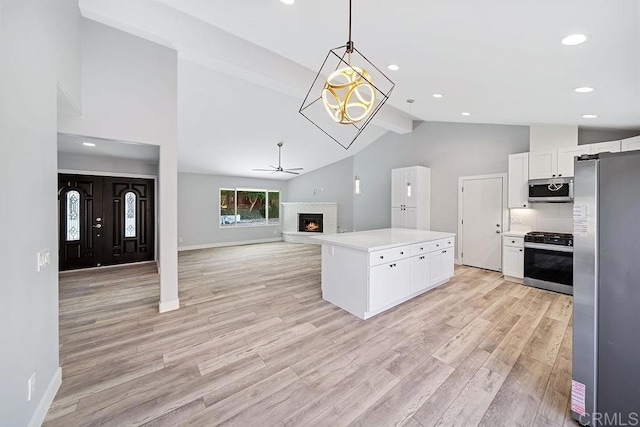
[556, 217]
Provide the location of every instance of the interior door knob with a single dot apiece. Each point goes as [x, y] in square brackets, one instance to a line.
[97, 226]
[498, 231]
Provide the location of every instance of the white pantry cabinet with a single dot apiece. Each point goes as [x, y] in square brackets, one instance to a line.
[368, 272]
[519, 180]
[410, 197]
[513, 258]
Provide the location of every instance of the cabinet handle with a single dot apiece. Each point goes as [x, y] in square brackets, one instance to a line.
[444, 252]
[401, 253]
[513, 241]
[422, 249]
[524, 206]
[381, 257]
[437, 246]
[553, 175]
[520, 250]
[559, 174]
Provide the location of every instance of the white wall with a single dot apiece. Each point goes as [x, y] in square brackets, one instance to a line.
[333, 183]
[198, 215]
[34, 36]
[129, 92]
[451, 150]
[85, 163]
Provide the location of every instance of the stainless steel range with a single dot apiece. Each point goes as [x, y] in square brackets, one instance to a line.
[548, 261]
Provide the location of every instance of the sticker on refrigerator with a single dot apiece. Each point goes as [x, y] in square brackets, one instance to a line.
[580, 220]
[578, 392]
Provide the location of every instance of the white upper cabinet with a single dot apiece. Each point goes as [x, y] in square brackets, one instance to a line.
[566, 158]
[603, 147]
[398, 188]
[543, 164]
[631, 144]
[518, 180]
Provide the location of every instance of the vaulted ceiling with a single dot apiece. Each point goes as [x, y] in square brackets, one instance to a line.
[245, 67]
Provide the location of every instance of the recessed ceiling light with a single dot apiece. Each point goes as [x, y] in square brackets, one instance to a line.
[88, 144]
[393, 67]
[583, 89]
[466, 114]
[574, 39]
[287, 1]
[589, 116]
[437, 95]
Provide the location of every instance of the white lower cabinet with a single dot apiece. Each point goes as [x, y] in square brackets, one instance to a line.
[513, 258]
[388, 282]
[420, 273]
[442, 262]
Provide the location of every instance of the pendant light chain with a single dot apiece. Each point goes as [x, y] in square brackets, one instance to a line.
[350, 42]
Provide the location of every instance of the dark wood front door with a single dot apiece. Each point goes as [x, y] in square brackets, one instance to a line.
[105, 220]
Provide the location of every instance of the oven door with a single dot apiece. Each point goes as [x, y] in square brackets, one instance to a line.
[549, 267]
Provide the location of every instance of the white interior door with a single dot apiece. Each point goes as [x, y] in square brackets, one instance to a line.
[482, 209]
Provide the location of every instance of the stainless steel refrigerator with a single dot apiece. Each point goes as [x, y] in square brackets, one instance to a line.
[606, 290]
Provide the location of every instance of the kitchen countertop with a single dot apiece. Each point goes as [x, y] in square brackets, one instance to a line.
[386, 238]
[514, 233]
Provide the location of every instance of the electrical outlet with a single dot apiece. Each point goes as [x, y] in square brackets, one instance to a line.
[516, 220]
[180, 239]
[31, 386]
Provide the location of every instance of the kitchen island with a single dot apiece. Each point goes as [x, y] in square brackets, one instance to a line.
[368, 272]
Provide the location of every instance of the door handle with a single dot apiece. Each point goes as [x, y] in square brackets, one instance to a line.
[97, 226]
[498, 231]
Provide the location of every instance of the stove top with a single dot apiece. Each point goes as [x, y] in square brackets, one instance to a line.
[549, 238]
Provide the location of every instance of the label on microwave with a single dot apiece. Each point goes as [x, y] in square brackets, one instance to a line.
[578, 393]
[580, 220]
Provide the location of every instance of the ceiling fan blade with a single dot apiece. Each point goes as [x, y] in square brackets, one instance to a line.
[264, 170]
[295, 169]
[292, 173]
[271, 166]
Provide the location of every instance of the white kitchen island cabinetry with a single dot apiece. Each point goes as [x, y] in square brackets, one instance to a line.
[368, 272]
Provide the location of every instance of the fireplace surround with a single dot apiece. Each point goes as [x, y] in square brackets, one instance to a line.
[290, 218]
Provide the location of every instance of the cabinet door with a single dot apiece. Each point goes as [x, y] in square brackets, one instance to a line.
[411, 187]
[631, 144]
[420, 273]
[543, 164]
[398, 218]
[435, 263]
[604, 147]
[398, 186]
[399, 280]
[565, 158]
[518, 180]
[411, 218]
[379, 285]
[513, 261]
[447, 263]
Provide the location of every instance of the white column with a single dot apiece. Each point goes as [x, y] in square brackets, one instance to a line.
[168, 228]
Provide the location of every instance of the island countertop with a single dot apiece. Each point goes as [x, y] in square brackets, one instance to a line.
[386, 238]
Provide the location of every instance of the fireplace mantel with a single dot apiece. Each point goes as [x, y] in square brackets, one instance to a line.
[289, 215]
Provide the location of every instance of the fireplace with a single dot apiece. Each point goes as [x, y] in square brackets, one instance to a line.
[311, 223]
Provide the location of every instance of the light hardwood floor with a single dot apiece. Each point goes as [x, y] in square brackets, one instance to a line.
[254, 344]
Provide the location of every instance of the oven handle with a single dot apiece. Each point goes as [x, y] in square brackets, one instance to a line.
[556, 248]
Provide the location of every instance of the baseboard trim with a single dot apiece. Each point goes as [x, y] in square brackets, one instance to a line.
[47, 399]
[169, 306]
[224, 244]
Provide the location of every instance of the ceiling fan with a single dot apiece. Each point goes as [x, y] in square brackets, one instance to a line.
[279, 168]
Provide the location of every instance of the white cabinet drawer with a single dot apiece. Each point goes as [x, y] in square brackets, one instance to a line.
[420, 248]
[388, 255]
[516, 242]
[442, 244]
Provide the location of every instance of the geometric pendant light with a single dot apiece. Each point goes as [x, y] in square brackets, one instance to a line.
[346, 94]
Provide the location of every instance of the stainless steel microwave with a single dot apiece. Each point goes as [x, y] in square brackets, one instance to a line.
[554, 190]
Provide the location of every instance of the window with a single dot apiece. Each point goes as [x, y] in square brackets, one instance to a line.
[73, 216]
[130, 214]
[249, 207]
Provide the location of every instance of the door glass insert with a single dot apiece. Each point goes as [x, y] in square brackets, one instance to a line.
[73, 216]
[130, 214]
